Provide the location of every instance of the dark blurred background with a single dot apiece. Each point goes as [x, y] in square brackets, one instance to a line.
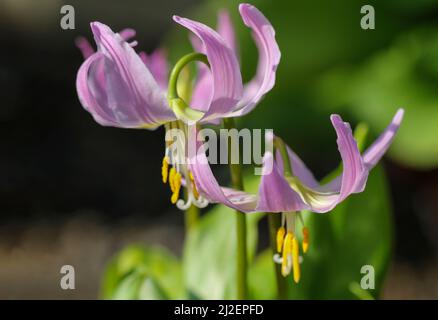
[73, 192]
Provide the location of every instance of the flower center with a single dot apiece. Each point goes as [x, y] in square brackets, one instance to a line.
[288, 247]
[176, 171]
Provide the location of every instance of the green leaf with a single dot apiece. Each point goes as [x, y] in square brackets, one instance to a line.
[138, 286]
[128, 287]
[262, 277]
[127, 273]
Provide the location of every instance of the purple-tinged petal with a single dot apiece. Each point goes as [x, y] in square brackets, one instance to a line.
[87, 50]
[202, 94]
[226, 30]
[86, 90]
[157, 64]
[299, 168]
[320, 198]
[84, 46]
[275, 194]
[203, 89]
[373, 154]
[127, 34]
[122, 86]
[226, 78]
[269, 58]
[207, 184]
[355, 167]
[354, 170]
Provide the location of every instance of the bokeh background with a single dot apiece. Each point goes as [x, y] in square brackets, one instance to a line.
[73, 192]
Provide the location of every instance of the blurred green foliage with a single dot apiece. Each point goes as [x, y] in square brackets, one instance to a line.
[404, 75]
[143, 273]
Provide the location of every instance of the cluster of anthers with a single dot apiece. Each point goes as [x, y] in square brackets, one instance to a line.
[288, 247]
[179, 176]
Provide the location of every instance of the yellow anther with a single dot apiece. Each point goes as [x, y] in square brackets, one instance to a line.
[305, 239]
[177, 187]
[287, 246]
[172, 179]
[280, 238]
[195, 191]
[296, 259]
[165, 169]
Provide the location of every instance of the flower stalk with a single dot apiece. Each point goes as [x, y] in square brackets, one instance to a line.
[237, 183]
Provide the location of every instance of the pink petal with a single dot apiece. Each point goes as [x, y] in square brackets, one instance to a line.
[84, 46]
[226, 78]
[86, 92]
[203, 89]
[226, 29]
[269, 58]
[275, 194]
[122, 87]
[373, 154]
[157, 64]
[355, 167]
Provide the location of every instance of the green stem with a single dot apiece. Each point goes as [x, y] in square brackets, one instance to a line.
[237, 183]
[191, 217]
[172, 92]
[274, 220]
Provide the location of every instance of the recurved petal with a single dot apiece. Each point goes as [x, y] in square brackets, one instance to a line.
[87, 50]
[375, 152]
[353, 178]
[269, 58]
[209, 187]
[299, 168]
[275, 194]
[86, 89]
[226, 78]
[84, 46]
[354, 170]
[206, 182]
[157, 64]
[226, 29]
[203, 89]
[131, 93]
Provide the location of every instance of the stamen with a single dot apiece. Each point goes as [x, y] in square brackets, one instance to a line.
[280, 238]
[172, 179]
[305, 239]
[200, 202]
[177, 187]
[286, 262]
[165, 169]
[192, 180]
[184, 205]
[296, 259]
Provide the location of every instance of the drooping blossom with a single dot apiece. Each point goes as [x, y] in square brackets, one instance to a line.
[290, 194]
[121, 88]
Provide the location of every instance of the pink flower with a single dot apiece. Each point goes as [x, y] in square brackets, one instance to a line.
[123, 89]
[300, 191]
